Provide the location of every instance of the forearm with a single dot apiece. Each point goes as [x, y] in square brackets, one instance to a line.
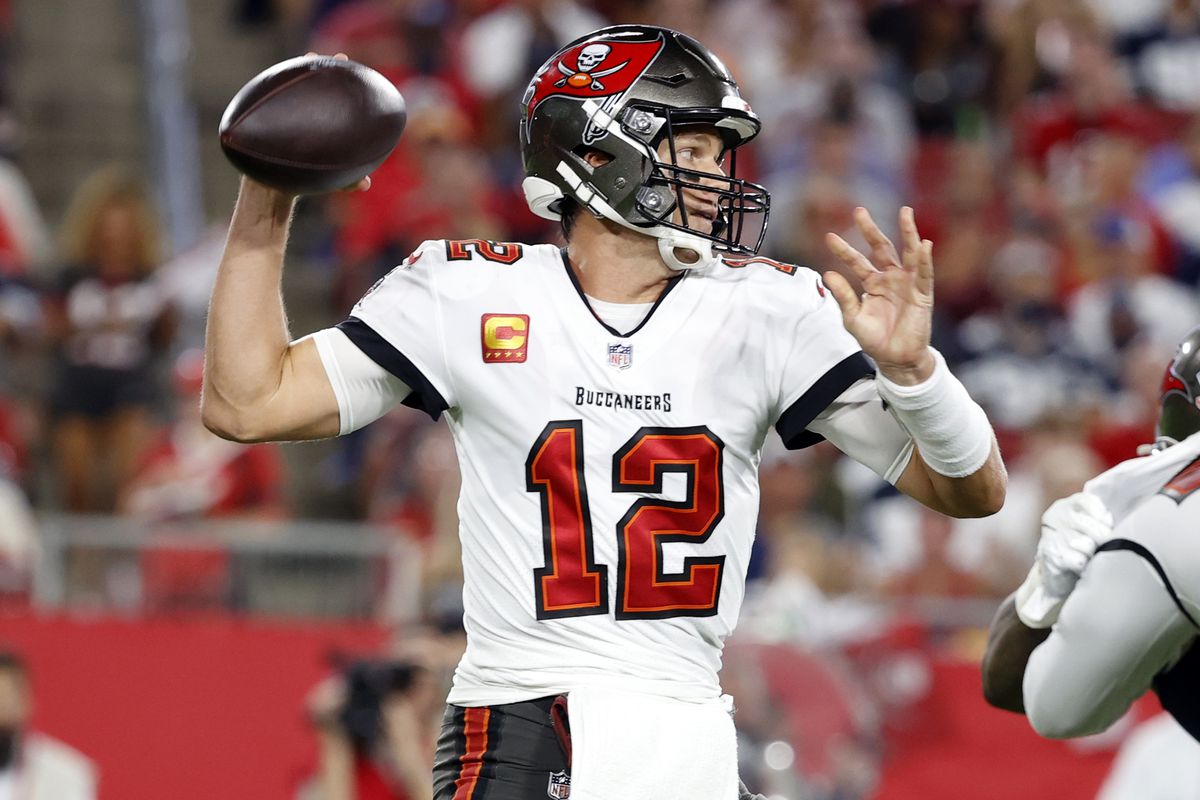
[246, 343]
[1010, 644]
[336, 764]
[956, 468]
[976, 495]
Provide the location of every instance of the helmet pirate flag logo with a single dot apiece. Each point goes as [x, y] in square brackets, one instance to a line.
[594, 69]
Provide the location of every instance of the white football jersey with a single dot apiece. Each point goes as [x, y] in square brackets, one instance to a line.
[609, 482]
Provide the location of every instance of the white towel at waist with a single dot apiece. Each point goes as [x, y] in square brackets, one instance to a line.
[628, 746]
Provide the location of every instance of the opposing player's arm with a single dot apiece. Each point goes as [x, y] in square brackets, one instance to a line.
[1010, 643]
[1117, 630]
[258, 385]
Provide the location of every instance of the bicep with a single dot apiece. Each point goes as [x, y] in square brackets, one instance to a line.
[1117, 630]
[304, 406]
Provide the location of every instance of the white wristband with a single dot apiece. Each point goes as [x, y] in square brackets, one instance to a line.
[950, 429]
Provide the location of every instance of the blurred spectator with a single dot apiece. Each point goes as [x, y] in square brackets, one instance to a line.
[109, 321]
[808, 69]
[1128, 419]
[804, 598]
[34, 766]
[18, 540]
[1053, 132]
[191, 473]
[1171, 182]
[498, 52]
[437, 186]
[939, 61]
[1162, 54]
[501, 49]
[1127, 300]
[376, 725]
[25, 246]
[1024, 366]
[1109, 165]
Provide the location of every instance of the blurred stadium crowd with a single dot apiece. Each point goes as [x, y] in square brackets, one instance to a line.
[1051, 149]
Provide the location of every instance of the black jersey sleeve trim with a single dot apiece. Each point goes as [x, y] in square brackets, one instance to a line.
[1134, 547]
[793, 423]
[424, 397]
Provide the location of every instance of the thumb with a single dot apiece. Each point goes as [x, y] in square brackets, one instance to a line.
[843, 293]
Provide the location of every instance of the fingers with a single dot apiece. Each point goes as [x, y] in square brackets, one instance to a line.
[338, 56]
[909, 238]
[856, 261]
[925, 268]
[882, 249]
[843, 293]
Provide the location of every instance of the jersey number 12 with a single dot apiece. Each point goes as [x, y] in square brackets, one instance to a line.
[572, 584]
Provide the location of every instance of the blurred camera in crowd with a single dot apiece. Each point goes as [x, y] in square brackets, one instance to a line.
[369, 685]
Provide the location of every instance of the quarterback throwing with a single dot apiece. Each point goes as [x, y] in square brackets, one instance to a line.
[609, 401]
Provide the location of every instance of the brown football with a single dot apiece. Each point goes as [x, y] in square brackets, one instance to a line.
[312, 124]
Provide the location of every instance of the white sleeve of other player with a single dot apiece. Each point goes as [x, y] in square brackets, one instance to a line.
[1118, 629]
[858, 424]
[818, 361]
[398, 325]
[364, 390]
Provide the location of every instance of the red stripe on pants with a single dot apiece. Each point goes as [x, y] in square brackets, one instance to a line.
[475, 725]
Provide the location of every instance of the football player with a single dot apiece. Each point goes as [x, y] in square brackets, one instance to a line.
[609, 401]
[1111, 607]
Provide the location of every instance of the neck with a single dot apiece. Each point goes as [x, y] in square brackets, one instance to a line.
[616, 265]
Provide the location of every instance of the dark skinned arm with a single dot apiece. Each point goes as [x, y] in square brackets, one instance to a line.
[1010, 643]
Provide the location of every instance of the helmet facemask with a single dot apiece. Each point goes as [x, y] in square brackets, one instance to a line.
[743, 207]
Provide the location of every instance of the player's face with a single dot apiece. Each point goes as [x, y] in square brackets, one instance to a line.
[702, 150]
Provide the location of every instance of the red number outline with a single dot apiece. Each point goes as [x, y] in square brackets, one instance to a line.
[738, 262]
[704, 574]
[552, 579]
[499, 252]
[1184, 483]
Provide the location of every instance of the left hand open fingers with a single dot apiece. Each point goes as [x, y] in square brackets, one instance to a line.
[853, 259]
[882, 249]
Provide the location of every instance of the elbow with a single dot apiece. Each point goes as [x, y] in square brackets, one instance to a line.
[993, 498]
[985, 497]
[1000, 696]
[1065, 712]
[1001, 688]
[1062, 723]
[226, 422]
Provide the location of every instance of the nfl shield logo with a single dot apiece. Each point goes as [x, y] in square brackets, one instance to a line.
[620, 356]
[560, 786]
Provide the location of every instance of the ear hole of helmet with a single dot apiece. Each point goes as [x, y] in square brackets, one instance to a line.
[592, 157]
